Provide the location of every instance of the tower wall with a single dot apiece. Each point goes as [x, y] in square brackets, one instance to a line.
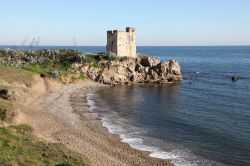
[122, 43]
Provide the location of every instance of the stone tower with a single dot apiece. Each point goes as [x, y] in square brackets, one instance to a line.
[122, 43]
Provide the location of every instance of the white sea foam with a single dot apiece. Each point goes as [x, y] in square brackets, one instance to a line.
[138, 143]
[90, 101]
[179, 157]
[113, 129]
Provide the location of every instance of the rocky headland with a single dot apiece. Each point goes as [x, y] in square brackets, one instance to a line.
[132, 71]
[103, 68]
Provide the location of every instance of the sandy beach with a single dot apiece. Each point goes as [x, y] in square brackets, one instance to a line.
[63, 116]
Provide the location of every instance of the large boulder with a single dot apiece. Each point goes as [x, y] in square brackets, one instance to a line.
[138, 77]
[174, 67]
[119, 79]
[149, 61]
[109, 77]
[153, 74]
[84, 69]
[139, 68]
[106, 77]
[94, 73]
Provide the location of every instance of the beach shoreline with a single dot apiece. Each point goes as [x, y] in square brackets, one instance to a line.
[64, 116]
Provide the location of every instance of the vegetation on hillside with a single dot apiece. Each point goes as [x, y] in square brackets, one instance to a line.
[9, 75]
[49, 68]
[47, 63]
[12, 74]
[19, 147]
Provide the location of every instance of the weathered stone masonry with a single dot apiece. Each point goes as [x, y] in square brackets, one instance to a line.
[122, 43]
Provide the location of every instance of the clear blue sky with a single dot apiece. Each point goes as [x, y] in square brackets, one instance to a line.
[158, 22]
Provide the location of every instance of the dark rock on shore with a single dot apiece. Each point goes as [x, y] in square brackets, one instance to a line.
[234, 78]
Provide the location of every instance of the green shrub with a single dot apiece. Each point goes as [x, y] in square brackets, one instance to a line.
[89, 58]
[50, 68]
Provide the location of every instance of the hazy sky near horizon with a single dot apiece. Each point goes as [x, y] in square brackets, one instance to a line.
[158, 22]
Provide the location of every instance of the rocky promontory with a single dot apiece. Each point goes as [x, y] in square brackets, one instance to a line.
[102, 67]
[142, 69]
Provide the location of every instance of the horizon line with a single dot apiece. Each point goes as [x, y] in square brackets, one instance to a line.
[230, 45]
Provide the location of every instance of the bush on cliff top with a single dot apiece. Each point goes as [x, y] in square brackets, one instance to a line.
[19, 147]
[49, 68]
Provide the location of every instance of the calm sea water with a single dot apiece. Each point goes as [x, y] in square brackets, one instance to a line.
[205, 120]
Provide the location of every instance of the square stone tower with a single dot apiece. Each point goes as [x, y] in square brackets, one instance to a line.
[122, 43]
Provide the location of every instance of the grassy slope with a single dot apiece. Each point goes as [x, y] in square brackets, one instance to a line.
[19, 147]
[17, 144]
[11, 74]
[48, 67]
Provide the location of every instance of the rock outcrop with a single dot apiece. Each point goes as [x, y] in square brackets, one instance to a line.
[132, 71]
[234, 78]
[102, 67]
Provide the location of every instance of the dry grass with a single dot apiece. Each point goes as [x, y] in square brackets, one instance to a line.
[19, 147]
[12, 74]
[6, 111]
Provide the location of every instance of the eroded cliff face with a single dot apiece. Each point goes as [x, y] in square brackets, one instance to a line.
[133, 70]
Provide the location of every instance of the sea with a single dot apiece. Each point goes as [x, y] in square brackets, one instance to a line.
[203, 121]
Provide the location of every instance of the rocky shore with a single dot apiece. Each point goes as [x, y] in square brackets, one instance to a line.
[102, 67]
[132, 71]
